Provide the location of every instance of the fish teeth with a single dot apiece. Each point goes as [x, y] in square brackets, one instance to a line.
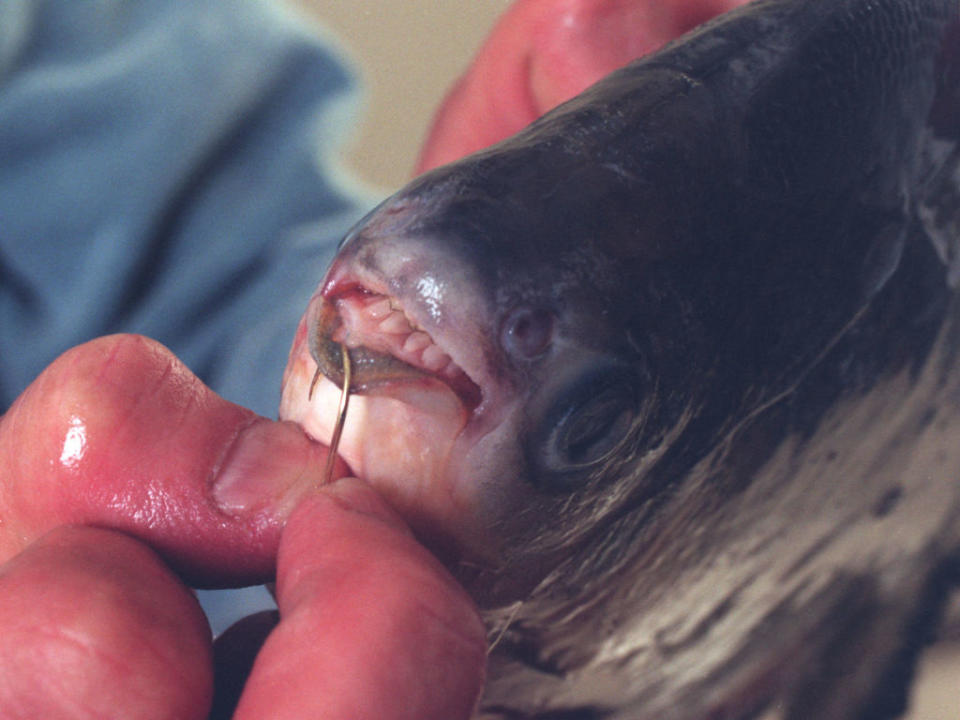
[379, 308]
[394, 324]
[452, 370]
[434, 359]
[416, 342]
[379, 314]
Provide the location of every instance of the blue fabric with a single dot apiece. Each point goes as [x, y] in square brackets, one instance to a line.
[167, 168]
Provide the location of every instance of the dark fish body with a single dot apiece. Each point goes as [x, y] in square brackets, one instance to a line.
[707, 320]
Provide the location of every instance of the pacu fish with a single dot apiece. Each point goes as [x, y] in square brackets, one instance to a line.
[670, 379]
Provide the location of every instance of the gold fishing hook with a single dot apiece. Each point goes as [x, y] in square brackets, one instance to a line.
[341, 412]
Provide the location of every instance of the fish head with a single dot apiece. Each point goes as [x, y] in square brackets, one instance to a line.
[540, 330]
[638, 374]
[521, 349]
[536, 327]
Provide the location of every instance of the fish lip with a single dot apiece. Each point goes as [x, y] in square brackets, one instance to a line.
[345, 278]
[344, 275]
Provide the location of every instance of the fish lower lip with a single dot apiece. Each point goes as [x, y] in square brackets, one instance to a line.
[386, 348]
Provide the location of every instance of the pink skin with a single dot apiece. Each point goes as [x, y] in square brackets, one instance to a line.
[399, 445]
[122, 478]
[543, 52]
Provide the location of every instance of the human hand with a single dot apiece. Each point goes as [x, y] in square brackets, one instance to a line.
[543, 52]
[108, 505]
[123, 477]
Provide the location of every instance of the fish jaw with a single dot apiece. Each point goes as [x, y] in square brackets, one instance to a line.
[423, 396]
[402, 448]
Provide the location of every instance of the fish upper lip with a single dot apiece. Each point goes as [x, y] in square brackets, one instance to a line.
[343, 277]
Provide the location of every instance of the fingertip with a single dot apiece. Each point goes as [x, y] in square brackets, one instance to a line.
[384, 629]
[268, 467]
[354, 495]
[108, 434]
[541, 53]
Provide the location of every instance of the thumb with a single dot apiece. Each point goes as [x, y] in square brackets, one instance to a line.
[118, 433]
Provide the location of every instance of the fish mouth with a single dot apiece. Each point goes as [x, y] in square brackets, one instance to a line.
[416, 409]
[391, 353]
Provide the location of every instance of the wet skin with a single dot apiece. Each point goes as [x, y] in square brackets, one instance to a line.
[668, 378]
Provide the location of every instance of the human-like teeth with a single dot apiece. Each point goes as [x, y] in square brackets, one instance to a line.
[379, 308]
[416, 342]
[394, 323]
[434, 358]
[451, 369]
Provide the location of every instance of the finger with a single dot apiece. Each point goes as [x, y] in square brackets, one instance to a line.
[118, 433]
[543, 52]
[371, 625]
[94, 625]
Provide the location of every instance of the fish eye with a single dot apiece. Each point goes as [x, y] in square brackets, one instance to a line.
[590, 420]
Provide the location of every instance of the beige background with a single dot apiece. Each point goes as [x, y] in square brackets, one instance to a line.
[409, 53]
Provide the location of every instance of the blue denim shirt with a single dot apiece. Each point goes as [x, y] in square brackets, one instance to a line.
[167, 168]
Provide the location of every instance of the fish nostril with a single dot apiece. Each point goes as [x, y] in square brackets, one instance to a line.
[527, 332]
